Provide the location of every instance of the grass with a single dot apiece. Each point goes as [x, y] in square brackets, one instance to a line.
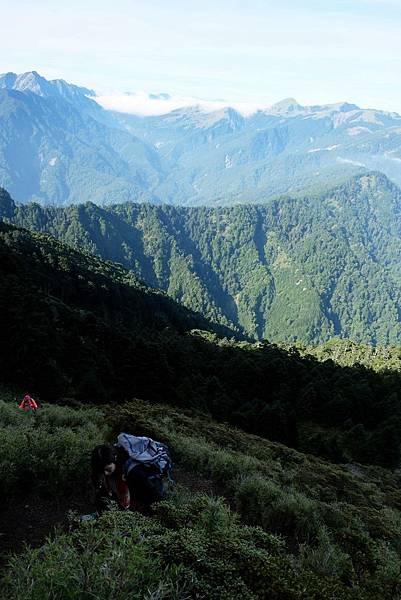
[330, 519]
[194, 547]
[49, 450]
[288, 525]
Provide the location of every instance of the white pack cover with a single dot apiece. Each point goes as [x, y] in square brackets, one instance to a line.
[145, 451]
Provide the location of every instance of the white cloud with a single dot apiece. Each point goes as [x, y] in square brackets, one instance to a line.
[142, 103]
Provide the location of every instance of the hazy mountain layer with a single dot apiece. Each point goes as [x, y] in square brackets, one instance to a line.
[295, 269]
[58, 146]
[55, 147]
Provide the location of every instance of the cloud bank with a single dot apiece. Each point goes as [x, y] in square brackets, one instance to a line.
[144, 104]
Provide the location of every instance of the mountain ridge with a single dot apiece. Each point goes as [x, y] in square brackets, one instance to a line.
[74, 150]
[294, 269]
[31, 81]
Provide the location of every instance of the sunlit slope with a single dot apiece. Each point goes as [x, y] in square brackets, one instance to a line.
[302, 269]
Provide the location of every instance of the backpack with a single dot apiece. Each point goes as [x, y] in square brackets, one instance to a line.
[145, 452]
[148, 462]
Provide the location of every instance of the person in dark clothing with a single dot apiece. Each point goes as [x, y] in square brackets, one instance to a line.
[108, 477]
[136, 491]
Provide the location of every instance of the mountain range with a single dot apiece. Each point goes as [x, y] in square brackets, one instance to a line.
[59, 146]
[294, 269]
[167, 276]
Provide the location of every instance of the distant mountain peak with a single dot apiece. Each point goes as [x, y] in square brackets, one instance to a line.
[287, 105]
[347, 106]
[337, 107]
[196, 116]
[161, 96]
[32, 82]
[229, 114]
[7, 80]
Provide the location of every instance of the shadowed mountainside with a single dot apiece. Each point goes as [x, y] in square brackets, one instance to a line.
[76, 327]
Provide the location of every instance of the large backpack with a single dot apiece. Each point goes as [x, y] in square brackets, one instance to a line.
[148, 462]
[146, 452]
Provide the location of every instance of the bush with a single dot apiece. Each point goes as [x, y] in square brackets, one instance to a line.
[193, 548]
[103, 561]
[254, 495]
[50, 450]
[325, 558]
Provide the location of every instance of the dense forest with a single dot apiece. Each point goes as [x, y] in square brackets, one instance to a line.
[75, 328]
[304, 269]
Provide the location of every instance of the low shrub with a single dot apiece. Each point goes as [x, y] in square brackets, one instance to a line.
[192, 548]
[330, 516]
[105, 561]
[50, 450]
[325, 557]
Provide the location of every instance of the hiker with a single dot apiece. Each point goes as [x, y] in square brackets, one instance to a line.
[28, 404]
[130, 473]
[108, 477]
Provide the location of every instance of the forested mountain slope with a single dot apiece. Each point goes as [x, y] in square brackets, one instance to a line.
[294, 269]
[56, 146]
[75, 327]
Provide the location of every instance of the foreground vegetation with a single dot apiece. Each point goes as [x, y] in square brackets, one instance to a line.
[280, 524]
[49, 451]
[342, 522]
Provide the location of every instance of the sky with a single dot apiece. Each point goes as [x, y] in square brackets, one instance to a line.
[247, 54]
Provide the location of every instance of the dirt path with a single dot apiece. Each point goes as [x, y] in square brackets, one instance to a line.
[197, 483]
[31, 519]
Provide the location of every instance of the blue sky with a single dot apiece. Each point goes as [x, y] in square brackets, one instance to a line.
[316, 51]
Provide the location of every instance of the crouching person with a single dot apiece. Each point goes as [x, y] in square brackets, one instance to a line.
[130, 473]
[108, 478]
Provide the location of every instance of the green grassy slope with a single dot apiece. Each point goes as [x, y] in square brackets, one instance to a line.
[286, 525]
